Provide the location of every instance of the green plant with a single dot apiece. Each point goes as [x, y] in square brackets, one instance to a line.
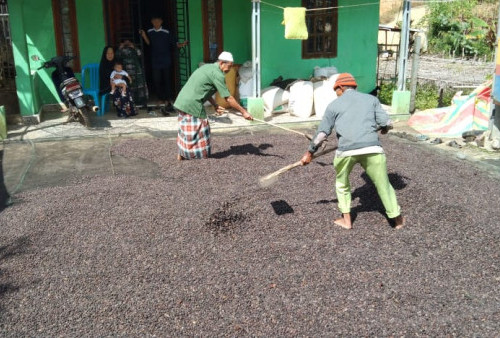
[427, 95]
[386, 90]
[455, 28]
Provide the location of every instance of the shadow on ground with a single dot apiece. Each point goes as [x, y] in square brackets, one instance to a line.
[245, 149]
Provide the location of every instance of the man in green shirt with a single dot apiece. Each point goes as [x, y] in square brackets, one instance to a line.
[193, 138]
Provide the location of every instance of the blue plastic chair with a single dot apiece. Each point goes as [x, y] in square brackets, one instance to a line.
[90, 84]
[103, 107]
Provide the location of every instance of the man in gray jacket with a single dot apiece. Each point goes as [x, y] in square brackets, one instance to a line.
[356, 118]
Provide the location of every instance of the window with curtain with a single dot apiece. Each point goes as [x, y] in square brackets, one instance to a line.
[321, 21]
[65, 28]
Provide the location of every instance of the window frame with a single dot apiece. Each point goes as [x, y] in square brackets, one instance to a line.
[218, 29]
[58, 30]
[315, 15]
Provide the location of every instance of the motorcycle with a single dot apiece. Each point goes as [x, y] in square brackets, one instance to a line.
[70, 91]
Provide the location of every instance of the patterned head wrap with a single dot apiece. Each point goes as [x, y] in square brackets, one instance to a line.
[345, 79]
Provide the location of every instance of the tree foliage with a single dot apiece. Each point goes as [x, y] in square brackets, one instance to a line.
[456, 27]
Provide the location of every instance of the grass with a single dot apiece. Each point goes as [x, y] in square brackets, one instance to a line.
[427, 95]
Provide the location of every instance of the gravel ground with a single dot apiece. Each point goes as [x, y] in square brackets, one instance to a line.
[443, 72]
[202, 250]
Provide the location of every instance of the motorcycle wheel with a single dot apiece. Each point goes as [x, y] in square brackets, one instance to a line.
[84, 116]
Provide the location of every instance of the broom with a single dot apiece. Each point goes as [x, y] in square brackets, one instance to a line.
[271, 178]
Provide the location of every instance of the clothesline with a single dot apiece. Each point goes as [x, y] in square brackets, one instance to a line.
[322, 9]
[432, 1]
[360, 5]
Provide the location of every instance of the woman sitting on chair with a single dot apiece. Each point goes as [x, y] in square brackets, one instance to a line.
[124, 104]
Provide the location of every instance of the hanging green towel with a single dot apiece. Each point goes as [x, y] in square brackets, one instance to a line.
[295, 23]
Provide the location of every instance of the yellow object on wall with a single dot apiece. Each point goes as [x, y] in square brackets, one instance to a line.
[295, 23]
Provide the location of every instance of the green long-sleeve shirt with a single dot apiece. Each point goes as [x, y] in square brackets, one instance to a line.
[201, 85]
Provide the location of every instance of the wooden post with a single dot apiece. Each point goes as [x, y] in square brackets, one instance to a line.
[440, 97]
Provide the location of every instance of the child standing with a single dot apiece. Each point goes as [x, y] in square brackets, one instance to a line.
[116, 78]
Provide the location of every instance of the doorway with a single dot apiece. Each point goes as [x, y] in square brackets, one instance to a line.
[8, 90]
[124, 18]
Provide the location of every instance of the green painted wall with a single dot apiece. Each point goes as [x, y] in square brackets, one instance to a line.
[236, 26]
[20, 51]
[30, 21]
[357, 45]
[33, 34]
[237, 29]
[195, 33]
[357, 40]
[91, 31]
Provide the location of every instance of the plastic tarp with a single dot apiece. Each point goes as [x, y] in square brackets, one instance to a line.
[468, 112]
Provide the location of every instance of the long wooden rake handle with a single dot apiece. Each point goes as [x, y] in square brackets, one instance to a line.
[309, 137]
[272, 177]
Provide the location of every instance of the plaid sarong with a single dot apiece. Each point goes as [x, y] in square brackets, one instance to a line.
[193, 137]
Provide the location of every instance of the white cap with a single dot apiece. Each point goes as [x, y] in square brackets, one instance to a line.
[226, 56]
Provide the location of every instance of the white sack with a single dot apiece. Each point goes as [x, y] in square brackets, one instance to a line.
[245, 86]
[245, 71]
[245, 89]
[301, 99]
[323, 95]
[274, 97]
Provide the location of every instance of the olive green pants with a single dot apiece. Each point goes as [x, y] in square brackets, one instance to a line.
[375, 166]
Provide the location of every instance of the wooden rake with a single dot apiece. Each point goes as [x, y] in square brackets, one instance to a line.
[266, 181]
[307, 136]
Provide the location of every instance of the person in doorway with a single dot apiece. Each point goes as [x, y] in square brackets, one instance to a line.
[163, 43]
[117, 79]
[356, 118]
[193, 138]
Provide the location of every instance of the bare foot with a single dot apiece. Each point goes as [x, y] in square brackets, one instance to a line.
[179, 157]
[340, 222]
[344, 222]
[399, 222]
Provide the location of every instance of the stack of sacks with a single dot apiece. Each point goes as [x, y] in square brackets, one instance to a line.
[245, 86]
[304, 98]
[323, 95]
[274, 97]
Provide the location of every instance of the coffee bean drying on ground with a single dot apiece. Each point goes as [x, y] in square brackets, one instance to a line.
[201, 249]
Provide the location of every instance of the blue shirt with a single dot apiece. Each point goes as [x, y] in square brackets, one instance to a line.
[162, 42]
